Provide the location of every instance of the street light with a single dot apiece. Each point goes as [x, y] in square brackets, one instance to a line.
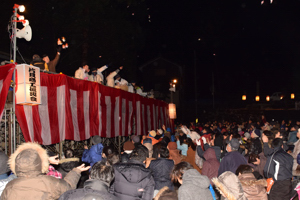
[244, 97]
[257, 98]
[292, 96]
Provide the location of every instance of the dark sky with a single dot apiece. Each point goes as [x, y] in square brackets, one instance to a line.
[241, 41]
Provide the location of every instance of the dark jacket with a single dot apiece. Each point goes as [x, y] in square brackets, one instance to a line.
[93, 189]
[231, 162]
[66, 165]
[279, 165]
[211, 164]
[161, 169]
[255, 146]
[133, 181]
[125, 157]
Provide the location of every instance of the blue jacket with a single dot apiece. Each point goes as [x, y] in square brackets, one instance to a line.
[183, 148]
[92, 155]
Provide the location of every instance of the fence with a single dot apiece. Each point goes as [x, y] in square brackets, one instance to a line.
[6, 137]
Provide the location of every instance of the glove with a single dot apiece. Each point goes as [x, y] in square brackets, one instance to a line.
[58, 49]
[204, 140]
[198, 142]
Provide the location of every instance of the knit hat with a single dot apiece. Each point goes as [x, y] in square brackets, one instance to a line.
[128, 146]
[147, 140]
[152, 133]
[160, 131]
[3, 163]
[96, 139]
[172, 146]
[234, 143]
[135, 139]
[256, 133]
[247, 135]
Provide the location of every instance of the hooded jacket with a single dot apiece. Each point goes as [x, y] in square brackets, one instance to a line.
[93, 189]
[30, 163]
[253, 189]
[230, 186]
[93, 155]
[133, 181]
[279, 165]
[194, 185]
[211, 164]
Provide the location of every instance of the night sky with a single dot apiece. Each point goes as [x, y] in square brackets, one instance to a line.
[235, 42]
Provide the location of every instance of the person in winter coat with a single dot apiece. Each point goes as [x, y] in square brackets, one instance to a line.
[132, 180]
[233, 159]
[174, 153]
[161, 169]
[30, 163]
[190, 158]
[258, 162]
[193, 184]
[211, 164]
[229, 186]
[5, 176]
[295, 153]
[255, 143]
[279, 167]
[182, 145]
[96, 187]
[68, 163]
[253, 189]
[53, 160]
[94, 154]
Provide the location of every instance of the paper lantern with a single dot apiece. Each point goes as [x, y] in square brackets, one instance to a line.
[292, 96]
[29, 87]
[244, 97]
[267, 98]
[172, 111]
[257, 98]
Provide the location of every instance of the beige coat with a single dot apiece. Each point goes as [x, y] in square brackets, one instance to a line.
[30, 163]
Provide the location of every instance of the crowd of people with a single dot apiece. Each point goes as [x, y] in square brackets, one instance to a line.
[214, 160]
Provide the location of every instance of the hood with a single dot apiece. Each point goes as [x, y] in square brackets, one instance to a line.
[28, 160]
[229, 184]
[67, 164]
[249, 179]
[98, 148]
[193, 177]
[133, 172]
[210, 154]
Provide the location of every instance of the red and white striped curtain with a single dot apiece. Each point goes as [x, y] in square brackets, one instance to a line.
[75, 109]
[6, 73]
